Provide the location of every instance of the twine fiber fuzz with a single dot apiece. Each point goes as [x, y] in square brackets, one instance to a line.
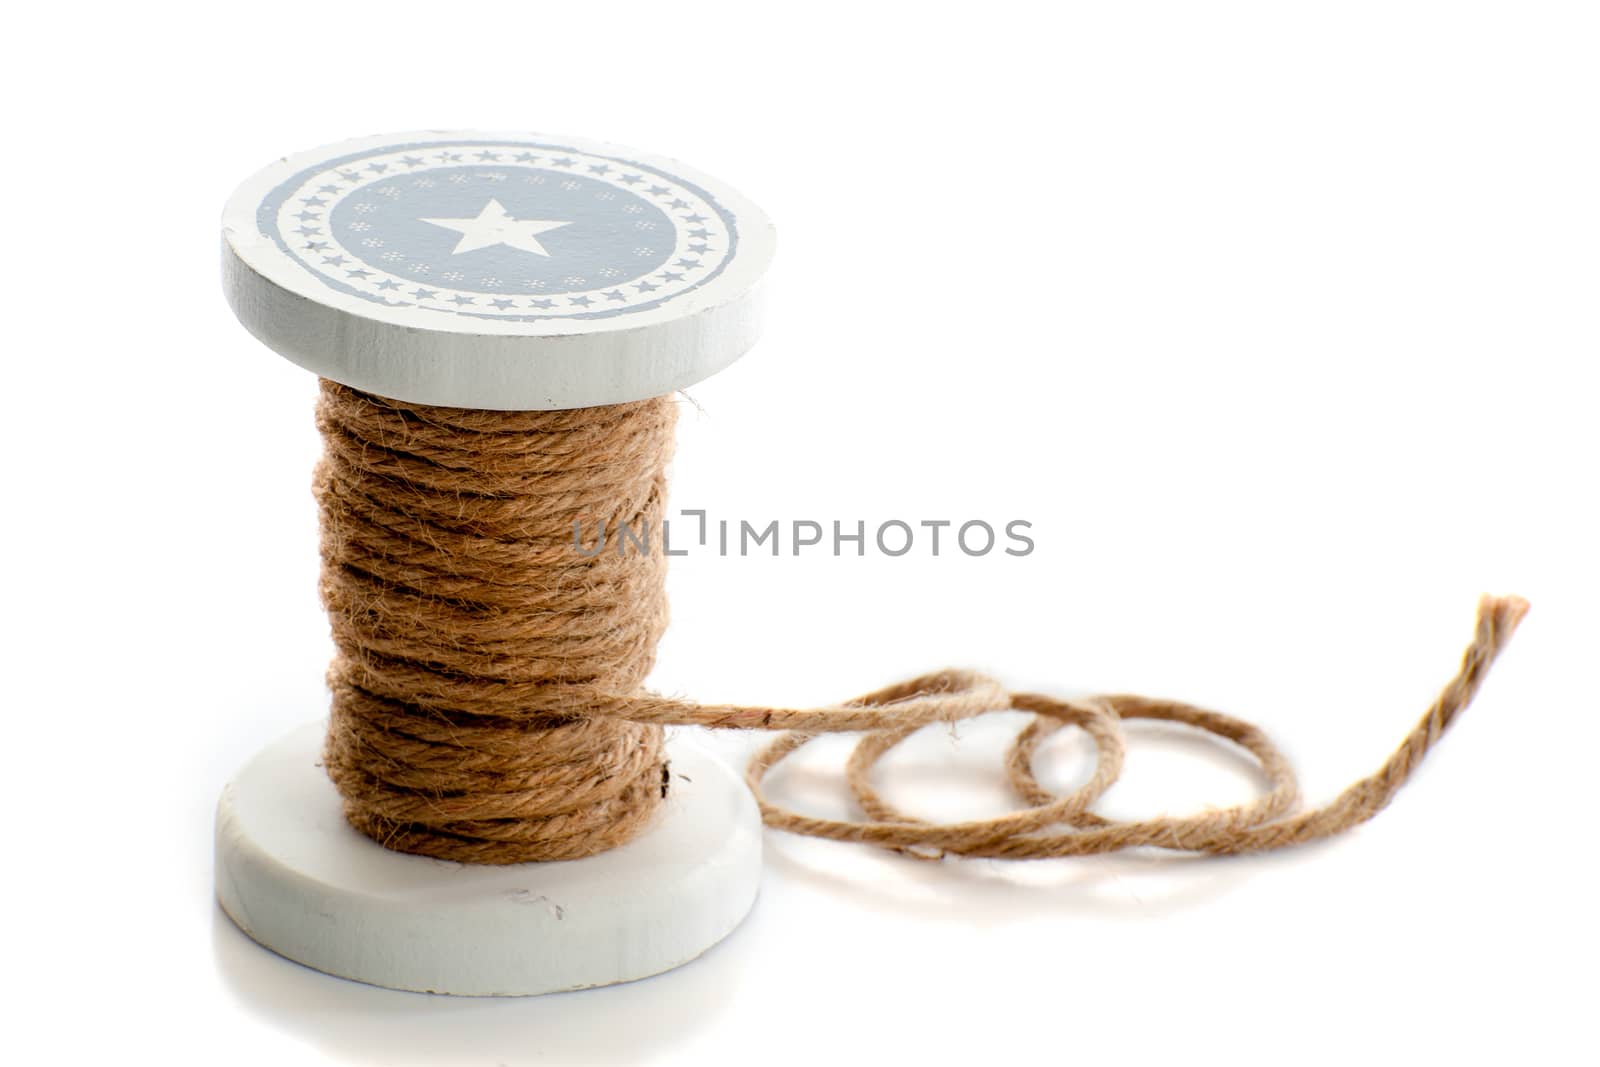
[487, 688]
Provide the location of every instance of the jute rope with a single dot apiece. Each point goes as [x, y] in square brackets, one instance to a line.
[487, 700]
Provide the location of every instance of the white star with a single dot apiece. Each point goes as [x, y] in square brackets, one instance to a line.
[495, 226]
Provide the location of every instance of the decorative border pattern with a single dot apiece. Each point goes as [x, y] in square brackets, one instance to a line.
[296, 216]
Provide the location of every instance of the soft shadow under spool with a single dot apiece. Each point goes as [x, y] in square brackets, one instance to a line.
[457, 286]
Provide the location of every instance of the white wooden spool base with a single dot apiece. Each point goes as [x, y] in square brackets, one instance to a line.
[296, 877]
[510, 272]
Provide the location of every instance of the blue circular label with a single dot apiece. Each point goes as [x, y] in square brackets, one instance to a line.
[500, 230]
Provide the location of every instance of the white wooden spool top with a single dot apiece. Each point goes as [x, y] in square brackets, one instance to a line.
[506, 272]
[509, 272]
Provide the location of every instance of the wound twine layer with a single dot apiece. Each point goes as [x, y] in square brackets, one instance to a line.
[470, 633]
[487, 700]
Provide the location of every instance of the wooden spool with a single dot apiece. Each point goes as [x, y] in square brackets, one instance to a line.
[506, 272]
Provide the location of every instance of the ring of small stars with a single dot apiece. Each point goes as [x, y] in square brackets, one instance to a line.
[703, 240]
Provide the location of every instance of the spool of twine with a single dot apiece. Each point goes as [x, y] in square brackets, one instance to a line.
[487, 689]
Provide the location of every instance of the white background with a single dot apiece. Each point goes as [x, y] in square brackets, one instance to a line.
[1278, 321]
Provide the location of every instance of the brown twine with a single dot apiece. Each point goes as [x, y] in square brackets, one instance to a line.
[487, 700]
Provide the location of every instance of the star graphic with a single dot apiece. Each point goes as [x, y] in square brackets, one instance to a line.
[495, 226]
[526, 157]
[696, 219]
[646, 287]
[388, 283]
[460, 299]
[546, 303]
[488, 156]
[425, 294]
[632, 179]
[501, 305]
[582, 301]
[616, 294]
[412, 161]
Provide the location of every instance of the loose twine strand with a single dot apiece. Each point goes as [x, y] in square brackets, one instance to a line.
[487, 701]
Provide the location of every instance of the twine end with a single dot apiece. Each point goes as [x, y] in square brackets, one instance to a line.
[1506, 611]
